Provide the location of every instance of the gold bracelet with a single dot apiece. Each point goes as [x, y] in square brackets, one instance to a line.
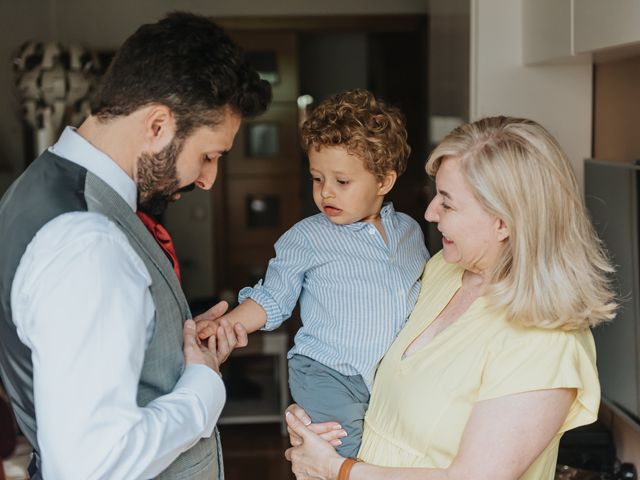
[345, 468]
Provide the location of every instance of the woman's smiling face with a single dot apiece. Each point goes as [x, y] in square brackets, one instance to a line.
[470, 235]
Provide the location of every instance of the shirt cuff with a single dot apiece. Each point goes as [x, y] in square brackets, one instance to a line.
[259, 295]
[208, 387]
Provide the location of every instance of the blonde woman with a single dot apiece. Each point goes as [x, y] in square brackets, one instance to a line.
[497, 359]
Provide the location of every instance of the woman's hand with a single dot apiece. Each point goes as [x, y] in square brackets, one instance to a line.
[332, 432]
[313, 458]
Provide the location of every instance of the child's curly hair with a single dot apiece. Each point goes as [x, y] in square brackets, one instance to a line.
[366, 127]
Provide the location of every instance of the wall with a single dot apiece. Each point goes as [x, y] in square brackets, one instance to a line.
[19, 21]
[557, 96]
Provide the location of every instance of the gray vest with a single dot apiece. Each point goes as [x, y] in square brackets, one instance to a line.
[50, 187]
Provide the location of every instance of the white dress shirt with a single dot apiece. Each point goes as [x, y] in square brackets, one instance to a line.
[80, 300]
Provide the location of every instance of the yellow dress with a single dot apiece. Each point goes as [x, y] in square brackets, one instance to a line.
[420, 404]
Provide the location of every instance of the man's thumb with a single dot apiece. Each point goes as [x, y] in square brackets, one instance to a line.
[217, 310]
[189, 332]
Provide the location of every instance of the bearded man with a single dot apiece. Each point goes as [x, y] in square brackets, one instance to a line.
[98, 351]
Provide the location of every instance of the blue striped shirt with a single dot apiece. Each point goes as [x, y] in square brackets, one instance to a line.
[355, 290]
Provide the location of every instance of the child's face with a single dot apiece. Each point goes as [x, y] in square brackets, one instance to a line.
[343, 189]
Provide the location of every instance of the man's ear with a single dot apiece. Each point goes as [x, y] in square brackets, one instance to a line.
[387, 182]
[502, 230]
[159, 127]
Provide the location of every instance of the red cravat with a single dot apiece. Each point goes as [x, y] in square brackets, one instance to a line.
[163, 238]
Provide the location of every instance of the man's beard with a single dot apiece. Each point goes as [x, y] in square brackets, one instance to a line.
[157, 178]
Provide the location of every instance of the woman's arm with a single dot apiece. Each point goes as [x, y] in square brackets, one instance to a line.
[501, 440]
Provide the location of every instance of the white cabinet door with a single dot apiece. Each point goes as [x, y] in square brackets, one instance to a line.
[546, 30]
[602, 24]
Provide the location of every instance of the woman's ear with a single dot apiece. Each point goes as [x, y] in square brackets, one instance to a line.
[387, 182]
[502, 230]
[159, 127]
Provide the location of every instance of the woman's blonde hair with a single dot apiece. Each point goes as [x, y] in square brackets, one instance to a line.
[553, 272]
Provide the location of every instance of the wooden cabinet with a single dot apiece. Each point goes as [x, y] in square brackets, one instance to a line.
[267, 145]
[189, 222]
[224, 238]
[257, 199]
[260, 196]
[269, 405]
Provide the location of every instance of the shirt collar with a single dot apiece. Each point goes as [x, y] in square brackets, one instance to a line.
[72, 146]
[386, 211]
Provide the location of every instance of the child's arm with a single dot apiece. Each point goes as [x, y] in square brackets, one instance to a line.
[279, 293]
[249, 314]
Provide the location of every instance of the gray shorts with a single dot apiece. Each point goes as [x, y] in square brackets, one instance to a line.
[328, 395]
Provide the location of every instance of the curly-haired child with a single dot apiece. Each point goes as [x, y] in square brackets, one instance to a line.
[355, 267]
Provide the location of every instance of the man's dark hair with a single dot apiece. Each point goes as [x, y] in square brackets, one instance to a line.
[187, 63]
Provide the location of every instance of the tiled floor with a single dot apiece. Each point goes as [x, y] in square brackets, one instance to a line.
[250, 452]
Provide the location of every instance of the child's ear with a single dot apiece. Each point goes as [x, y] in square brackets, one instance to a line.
[387, 183]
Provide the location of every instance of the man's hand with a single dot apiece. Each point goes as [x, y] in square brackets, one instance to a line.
[212, 314]
[228, 337]
[207, 323]
[196, 352]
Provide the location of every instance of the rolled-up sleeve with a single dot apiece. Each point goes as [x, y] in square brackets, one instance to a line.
[279, 292]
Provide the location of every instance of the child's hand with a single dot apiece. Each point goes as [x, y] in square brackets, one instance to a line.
[228, 337]
[206, 328]
[207, 323]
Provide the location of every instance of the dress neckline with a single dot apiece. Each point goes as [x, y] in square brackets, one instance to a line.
[452, 287]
